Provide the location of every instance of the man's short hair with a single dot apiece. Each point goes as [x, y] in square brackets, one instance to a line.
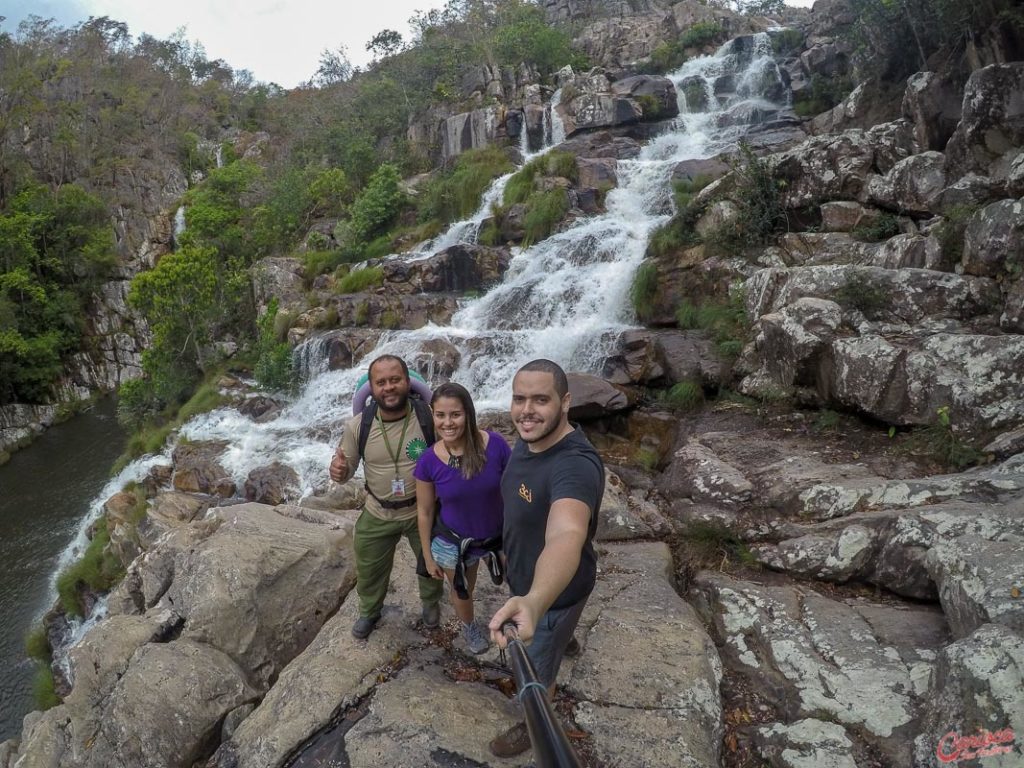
[547, 366]
[385, 359]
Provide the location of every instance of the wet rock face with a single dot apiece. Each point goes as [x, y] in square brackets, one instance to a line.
[197, 469]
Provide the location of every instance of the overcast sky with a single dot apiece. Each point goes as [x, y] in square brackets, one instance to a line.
[279, 41]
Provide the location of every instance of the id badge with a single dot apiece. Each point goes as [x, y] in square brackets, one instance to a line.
[398, 487]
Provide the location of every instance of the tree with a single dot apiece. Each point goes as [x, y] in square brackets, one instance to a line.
[385, 43]
[334, 67]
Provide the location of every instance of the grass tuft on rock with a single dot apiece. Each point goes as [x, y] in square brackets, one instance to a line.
[359, 280]
[98, 569]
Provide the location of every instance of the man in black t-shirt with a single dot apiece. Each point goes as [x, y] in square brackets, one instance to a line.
[552, 491]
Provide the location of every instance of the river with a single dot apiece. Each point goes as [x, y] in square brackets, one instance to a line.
[45, 492]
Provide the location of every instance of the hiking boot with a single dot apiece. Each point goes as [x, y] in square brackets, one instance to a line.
[364, 626]
[431, 615]
[476, 639]
[512, 742]
[572, 650]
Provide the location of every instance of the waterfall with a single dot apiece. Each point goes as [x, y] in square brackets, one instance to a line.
[219, 156]
[555, 127]
[524, 139]
[179, 225]
[565, 298]
[309, 359]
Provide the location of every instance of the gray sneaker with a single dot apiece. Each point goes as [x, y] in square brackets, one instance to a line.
[476, 638]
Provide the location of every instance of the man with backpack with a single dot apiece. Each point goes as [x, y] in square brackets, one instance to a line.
[389, 436]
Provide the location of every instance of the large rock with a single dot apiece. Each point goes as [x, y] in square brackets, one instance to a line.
[976, 579]
[914, 185]
[592, 397]
[934, 106]
[197, 469]
[457, 269]
[164, 711]
[994, 240]
[992, 125]
[593, 106]
[979, 378]
[656, 95]
[279, 278]
[698, 472]
[807, 743]
[274, 484]
[977, 688]
[470, 130]
[861, 665]
[665, 712]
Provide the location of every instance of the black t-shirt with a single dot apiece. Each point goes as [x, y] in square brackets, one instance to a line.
[570, 469]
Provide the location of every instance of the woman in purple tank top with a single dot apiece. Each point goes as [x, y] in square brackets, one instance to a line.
[463, 471]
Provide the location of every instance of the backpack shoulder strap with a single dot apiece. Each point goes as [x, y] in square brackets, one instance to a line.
[369, 414]
[425, 417]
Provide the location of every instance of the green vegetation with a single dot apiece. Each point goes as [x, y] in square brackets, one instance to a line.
[827, 421]
[684, 396]
[895, 39]
[787, 42]
[646, 458]
[875, 231]
[361, 279]
[99, 570]
[725, 320]
[524, 183]
[55, 248]
[757, 195]
[455, 195]
[679, 232]
[37, 645]
[702, 33]
[951, 232]
[43, 688]
[543, 211]
[644, 289]
[706, 544]
[939, 442]
[273, 369]
[824, 93]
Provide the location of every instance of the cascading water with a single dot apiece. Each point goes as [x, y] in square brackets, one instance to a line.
[179, 225]
[565, 298]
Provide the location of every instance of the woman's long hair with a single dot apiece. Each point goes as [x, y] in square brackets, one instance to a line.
[473, 454]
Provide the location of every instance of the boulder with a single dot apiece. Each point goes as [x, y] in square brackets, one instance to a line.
[597, 173]
[470, 130]
[914, 185]
[197, 469]
[697, 472]
[846, 215]
[457, 269]
[707, 169]
[906, 251]
[391, 310]
[637, 360]
[691, 356]
[992, 123]
[976, 578]
[994, 240]
[602, 144]
[978, 681]
[593, 105]
[934, 105]
[260, 408]
[279, 278]
[860, 665]
[592, 397]
[807, 743]
[656, 95]
[273, 485]
[817, 248]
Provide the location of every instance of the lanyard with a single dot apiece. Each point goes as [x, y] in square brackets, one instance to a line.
[396, 455]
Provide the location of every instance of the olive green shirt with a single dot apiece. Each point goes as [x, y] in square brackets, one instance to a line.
[379, 464]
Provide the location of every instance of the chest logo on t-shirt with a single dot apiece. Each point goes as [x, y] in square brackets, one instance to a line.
[525, 493]
[415, 448]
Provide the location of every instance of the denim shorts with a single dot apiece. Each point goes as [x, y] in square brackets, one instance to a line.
[446, 554]
[554, 631]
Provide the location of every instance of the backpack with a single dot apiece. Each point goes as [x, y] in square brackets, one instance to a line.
[423, 415]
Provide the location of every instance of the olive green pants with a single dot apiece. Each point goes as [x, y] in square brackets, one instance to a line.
[375, 544]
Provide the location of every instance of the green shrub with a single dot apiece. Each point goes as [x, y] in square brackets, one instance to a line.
[98, 569]
[666, 57]
[361, 279]
[701, 33]
[644, 289]
[714, 544]
[823, 94]
[679, 233]
[951, 232]
[881, 228]
[726, 322]
[757, 195]
[939, 442]
[521, 186]
[646, 458]
[390, 320]
[543, 211]
[456, 195]
[827, 421]
[44, 691]
[378, 204]
[362, 315]
[273, 369]
[37, 645]
[684, 396]
[787, 42]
